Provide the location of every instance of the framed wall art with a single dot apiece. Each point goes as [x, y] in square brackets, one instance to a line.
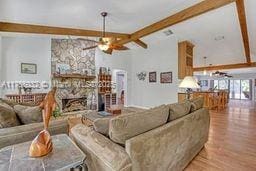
[203, 83]
[166, 77]
[142, 76]
[152, 77]
[28, 68]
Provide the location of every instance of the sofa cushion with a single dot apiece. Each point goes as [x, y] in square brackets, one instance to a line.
[179, 110]
[124, 127]
[8, 117]
[29, 114]
[101, 125]
[197, 104]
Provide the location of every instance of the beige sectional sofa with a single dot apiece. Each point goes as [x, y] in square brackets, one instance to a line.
[165, 138]
[21, 123]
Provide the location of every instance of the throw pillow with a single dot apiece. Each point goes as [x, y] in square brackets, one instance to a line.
[178, 110]
[197, 103]
[8, 117]
[29, 114]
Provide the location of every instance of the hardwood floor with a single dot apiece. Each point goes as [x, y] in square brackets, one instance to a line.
[232, 140]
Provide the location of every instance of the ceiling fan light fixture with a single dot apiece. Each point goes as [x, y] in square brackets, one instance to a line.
[103, 47]
[205, 73]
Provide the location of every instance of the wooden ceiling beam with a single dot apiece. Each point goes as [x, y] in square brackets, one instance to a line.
[39, 29]
[141, 43]
[193, 11]
[243, 24]
[223, 67]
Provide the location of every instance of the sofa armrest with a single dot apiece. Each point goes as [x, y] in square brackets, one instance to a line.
[101, 153]
[23, 133]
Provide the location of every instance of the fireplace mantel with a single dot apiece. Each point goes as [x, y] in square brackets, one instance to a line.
[74, 76]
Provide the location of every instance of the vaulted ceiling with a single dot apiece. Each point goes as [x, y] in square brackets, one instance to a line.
[130, 16]
[124, 15]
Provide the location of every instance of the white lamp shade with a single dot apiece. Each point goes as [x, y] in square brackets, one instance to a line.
[189, 82]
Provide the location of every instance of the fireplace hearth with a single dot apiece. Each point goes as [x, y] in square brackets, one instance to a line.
[74, 104]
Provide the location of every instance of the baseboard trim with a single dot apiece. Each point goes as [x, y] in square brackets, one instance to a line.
[142, 107]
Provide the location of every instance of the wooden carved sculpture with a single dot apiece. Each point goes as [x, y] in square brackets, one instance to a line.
[42, 144]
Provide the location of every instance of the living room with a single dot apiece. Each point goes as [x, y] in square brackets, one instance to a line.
[91, 85]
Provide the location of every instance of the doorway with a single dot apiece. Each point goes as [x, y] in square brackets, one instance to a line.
[120, 77]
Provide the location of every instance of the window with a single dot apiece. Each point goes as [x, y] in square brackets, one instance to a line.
[221, 84]
[216, 84]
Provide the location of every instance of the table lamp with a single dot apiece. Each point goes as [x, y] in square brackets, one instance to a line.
[189, 83]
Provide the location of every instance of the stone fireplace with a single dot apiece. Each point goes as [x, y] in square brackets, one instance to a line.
[74, 104]
[71, 61]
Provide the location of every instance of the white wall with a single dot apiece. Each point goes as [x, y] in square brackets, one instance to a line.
[119, 60]
[17, 50]
[160, 57]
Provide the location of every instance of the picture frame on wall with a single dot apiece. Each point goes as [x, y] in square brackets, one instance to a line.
[166, 77]
[28, 68]
[203, 83]
[152, 77]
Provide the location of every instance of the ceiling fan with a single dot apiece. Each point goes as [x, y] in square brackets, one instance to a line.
[105, 43]
[221, 74]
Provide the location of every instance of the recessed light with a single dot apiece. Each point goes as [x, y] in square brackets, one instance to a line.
[168, 32]
[219, 38]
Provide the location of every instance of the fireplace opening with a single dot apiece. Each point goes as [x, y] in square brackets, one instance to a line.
[74, 104]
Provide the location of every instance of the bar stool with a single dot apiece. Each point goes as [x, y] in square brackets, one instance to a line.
[221, 100]
[213, 101]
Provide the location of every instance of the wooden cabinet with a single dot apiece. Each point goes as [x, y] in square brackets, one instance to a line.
[105, 82]
[181, 97]
[185, 59]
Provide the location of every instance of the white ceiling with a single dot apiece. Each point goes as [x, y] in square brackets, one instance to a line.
[129, 16]
[203, 30]
[124, 15]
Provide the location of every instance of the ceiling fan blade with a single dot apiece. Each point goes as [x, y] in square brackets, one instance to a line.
[92, 47]
[109, 51]
[117, 47]
[88, 40]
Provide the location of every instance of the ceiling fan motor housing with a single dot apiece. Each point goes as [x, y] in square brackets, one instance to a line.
[104, 14]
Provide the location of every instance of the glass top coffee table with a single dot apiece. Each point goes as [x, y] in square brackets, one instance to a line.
[65, 155]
